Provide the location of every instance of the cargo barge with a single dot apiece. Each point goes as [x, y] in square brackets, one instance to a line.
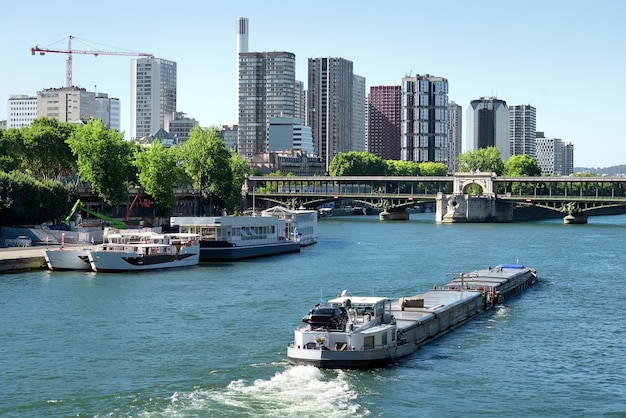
[364, 332]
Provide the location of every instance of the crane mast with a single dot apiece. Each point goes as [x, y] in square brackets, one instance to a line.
[69, 51]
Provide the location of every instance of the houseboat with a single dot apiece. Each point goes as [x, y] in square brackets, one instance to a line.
[228, 238]
[301, 223]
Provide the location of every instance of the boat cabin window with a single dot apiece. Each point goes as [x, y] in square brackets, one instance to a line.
[376, 310]
[368, 343]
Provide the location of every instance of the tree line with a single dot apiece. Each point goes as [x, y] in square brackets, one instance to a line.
[42, 165]
[485, 159]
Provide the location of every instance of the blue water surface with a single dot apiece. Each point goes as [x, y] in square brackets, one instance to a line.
[211, 340]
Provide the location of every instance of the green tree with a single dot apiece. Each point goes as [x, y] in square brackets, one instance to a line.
[401, 168]
[355, 163]
[483, 159]
[239, 168]
[207, 163]
[45, 152]
[104, 160]
[431, 169]
[521, 165]
[26, 200]
[158, 174]
[10, 149]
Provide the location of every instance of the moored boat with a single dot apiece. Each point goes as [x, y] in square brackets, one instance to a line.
[301, 224]
[363, 332]
[77, 258]
[60, 259]
[228, 238]
[156, 252]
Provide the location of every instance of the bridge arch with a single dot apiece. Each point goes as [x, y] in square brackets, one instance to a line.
[462, 182]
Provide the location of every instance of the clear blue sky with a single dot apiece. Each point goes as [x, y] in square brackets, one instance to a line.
[566, 58]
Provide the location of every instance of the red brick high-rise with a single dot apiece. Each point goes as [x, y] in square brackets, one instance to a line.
[385, 103]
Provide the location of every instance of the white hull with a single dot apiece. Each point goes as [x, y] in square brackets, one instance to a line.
[67, 259]
[112, 261]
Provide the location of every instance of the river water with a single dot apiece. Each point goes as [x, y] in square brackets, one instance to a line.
[210, 341]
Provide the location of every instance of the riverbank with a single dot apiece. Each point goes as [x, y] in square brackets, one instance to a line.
[16, 260]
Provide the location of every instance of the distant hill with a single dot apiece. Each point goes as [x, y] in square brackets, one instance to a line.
[616, 170]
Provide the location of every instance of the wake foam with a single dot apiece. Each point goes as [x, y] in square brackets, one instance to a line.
[297, 391]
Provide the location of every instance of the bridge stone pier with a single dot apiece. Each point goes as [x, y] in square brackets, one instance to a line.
[460, 206]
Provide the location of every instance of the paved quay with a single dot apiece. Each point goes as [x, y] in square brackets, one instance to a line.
[19, 259]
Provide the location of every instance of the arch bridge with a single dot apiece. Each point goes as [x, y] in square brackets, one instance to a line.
[393, 193]
[572, 196]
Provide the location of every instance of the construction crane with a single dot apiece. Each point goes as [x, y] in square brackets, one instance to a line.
[69, 51]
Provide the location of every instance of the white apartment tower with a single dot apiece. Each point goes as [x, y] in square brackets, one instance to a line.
[152, 95]
[424, 119]
[488, 126]
[21, 110]
[329, 106]
[554, 157]
[522, 128]
[550, 156]
[266, 90]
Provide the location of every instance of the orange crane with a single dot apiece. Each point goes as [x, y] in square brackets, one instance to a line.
[69, 51]
[144, 203]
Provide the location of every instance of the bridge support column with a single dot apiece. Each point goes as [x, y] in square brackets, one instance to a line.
[465, 208]
[575, 219]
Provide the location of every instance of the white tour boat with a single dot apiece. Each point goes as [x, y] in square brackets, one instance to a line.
[77, 258]
[156, 252]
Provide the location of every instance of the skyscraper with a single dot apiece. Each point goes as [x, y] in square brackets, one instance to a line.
[455, 135]
[359, 103]
[523, 128]
[424, 124]
[488, 126]
[152, 95]
[330, 106]
[383, 127]
[266, 90]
